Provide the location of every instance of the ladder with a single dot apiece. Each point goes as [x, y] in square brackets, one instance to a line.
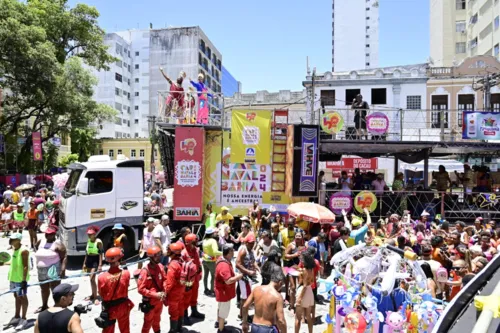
[279, 136]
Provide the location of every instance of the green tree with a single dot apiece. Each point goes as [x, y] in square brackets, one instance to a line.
[44, 45]
[68, 159]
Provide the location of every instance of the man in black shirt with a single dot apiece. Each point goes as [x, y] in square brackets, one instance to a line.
[58, 319]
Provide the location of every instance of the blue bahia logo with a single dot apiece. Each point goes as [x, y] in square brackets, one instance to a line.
[250, 152]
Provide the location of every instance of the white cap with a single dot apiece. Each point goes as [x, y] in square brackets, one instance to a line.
[165, 217]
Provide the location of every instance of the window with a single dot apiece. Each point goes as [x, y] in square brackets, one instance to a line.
[350, 95]
[200, 59]
[495, 102]
[473, 19]
[136, 66]
[327, 97]
[119, 152]
[460, 26]
[100, 181]
[101, 152]
[136, 135]
[118, 106]
[368, 17]
[136, 93]
[128, 82]
[141, 152]
[438, 103]
[118, 121]
[379, 96]
[367, 8]
[496, 50]
[132, 152]
[497, 22]
[367, 64]
[128, 67]
[473, 43]
[128, 123]
[124, 93]
[119, 63]
[465, 103]
[111, 153]
[124, 121]
[136, 121]
[368, 54]
[367, 36]
[367, 27]
[128, 109]
[136, 53]
[413, 102]
[136, 107]
[119, 49]
[367, 45]
[137, 80]
[460, 47]
[460, 4]
[117, 91]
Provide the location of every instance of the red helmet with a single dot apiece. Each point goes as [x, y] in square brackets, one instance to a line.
[176, 248]
[190, 238]
[152, 251]
[114, 254]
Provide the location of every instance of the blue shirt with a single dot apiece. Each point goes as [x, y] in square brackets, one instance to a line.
[359, 234]
[199, 87]
[315, 244]
[384, 304]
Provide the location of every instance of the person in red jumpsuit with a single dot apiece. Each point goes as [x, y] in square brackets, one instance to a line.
[150, 286]
[113, 289]
[175, 290]
[191, 298]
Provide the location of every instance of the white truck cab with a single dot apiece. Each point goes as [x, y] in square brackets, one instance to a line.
[102, 192]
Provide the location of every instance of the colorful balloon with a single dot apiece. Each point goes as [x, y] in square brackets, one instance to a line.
[355, 322]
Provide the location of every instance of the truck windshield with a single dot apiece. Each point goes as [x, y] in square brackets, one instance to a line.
[70, 187]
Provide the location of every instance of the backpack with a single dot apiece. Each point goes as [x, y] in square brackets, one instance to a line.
[188, 274]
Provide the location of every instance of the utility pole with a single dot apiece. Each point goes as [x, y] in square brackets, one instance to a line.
[485, 84]
[152, 138]
[313, 96]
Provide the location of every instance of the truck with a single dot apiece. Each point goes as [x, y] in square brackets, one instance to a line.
[102, 192]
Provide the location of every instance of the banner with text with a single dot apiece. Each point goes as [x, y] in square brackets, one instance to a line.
[251, 136]
[37, 146]
[481, 126]
[188, 184]
[305, 160]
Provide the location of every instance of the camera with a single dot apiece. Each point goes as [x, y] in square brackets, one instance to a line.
[103, 320]
[145, 306]
[80, 309]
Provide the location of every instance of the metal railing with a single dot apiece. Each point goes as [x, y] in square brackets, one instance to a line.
[183, 108]
[454, 205]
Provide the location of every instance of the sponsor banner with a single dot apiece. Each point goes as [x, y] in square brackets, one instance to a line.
[365, 199]
[332, 122]
[481, 126]
[305, 161]
[56, 142]
[339, 201]
[377, 123]
[351, 163]
[37, 146]
[188, 184]
[211, 169]
[251, 136]
[278, 200]
[97, 213]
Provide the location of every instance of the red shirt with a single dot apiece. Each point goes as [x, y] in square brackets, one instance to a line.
[107, 282]
[149, 288]
[224, 271]
[334, 235]
[315, 271]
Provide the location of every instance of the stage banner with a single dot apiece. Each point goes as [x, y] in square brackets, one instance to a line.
[377, 123]
[365, 199]
[305, 161]
[340, 201]
[188, 184]
[278, 200]
[332, 122]
[211, 169]
[481, 126]
[37, 146]
[251, 136]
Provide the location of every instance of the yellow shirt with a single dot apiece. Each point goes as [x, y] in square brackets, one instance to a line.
[226, 218]
[15, 197]
[287, 237]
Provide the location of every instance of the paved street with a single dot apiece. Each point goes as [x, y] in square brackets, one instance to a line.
[207, 305]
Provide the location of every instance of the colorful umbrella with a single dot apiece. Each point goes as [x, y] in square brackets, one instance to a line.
[25, 187]
[311, 212]
[43, 177]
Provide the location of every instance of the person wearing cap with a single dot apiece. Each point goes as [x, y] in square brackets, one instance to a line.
[148, 240]
[8, 193]
[92, 262]
[151, 286]
[19, 276]
[120, 238]
[51, 263]
[59, 319]
[191, 251]
[247, 265]
[32, 215]
[225, 216]
[210, 254]
[113, 289]
[358, 231]
[245, 230]
[174, 289]
[225, 285]
[163, 236]
[18, 224]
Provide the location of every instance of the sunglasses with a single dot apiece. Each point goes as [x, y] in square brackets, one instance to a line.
[457, 268]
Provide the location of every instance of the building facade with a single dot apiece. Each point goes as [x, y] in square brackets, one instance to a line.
[133, 82]
[355, 34]
[398, 92]
[463, 28]
[230, 85]
[134, 149]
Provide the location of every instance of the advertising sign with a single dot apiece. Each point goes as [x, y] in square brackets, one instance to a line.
[188, 184]
[365, 199]
[278, 200]
[351, 163]
[339, 201]
[251, 136]
[305, 161]
[244, 183]
[377, 123]
[56, 141]
[332, 122]
[37, 146]
[481, 126]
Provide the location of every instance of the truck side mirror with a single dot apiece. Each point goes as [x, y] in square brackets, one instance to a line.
[83, 186]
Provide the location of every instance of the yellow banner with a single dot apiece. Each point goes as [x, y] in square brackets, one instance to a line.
[251, 136]
[211, 172]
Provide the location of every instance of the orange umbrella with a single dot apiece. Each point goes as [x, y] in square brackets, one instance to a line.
[311, 212]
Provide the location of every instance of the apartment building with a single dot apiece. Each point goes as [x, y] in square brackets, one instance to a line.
[463, 28]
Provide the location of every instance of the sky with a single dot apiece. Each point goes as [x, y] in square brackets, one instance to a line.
[265, 45]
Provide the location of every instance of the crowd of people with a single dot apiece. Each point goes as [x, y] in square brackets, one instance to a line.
[253, 264]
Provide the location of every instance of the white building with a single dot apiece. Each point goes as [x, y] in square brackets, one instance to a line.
[398, 92]
[355, 34]
[460, 29]
[131, 84]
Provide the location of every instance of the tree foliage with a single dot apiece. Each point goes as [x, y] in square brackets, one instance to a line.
[46, 48]
[68, 159]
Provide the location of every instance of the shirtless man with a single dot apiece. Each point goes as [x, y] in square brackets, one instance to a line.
[268, 306]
